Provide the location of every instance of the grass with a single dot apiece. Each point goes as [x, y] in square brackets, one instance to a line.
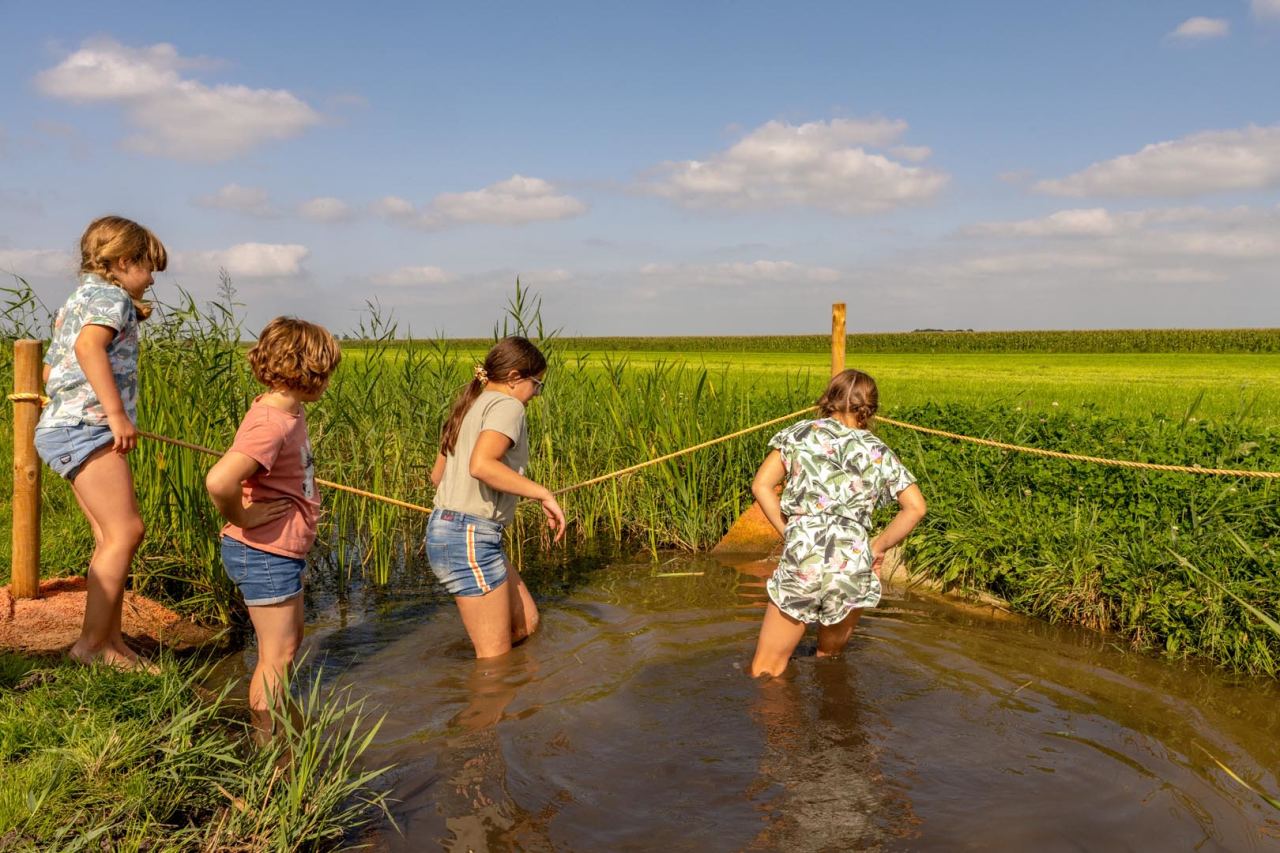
[97, 759]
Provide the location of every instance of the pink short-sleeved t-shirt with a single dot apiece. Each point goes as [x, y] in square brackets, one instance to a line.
[277, 440]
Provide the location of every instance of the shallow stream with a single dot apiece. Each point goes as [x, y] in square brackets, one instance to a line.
[628, 723]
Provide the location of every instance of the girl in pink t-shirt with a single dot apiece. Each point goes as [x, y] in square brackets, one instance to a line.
[264, 486]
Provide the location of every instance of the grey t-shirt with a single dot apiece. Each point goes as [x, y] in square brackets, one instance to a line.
[461, 492]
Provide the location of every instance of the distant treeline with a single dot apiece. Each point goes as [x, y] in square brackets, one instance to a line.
[1101, 341]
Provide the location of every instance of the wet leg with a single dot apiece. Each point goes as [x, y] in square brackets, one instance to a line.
[779, 636]
[524, 610]
[487, 619]
[833, 638]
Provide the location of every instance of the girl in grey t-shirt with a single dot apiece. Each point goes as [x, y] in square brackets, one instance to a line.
[479, 478]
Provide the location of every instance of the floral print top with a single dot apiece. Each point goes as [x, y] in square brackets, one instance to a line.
[95, 302]
[835, 470]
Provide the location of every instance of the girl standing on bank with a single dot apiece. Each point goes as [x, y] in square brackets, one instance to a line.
[89, 426]
[479, 478]
[836, 472]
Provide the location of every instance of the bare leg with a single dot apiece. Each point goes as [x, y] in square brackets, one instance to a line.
[524, 610]
[833, 638]
[104, 490]
[487, 619]
[279, 631]
[779, 636]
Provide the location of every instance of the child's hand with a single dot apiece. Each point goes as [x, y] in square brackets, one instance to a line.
[555, 516]
[124, 433]
[258, 513]
[877, 559]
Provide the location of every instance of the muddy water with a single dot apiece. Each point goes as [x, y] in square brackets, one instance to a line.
[629, 724]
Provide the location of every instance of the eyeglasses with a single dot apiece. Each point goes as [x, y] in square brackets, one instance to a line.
[537, 384]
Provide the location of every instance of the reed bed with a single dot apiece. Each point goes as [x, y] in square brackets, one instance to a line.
[1091, 546]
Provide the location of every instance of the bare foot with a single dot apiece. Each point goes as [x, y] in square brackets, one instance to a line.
[120, 657]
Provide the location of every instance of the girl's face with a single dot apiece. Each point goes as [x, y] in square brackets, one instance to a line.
[526, 388]
[135, 277]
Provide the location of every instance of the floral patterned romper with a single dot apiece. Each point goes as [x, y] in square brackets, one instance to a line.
[836, 476]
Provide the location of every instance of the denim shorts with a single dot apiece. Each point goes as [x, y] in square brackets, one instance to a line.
[65, 448]
[262, 577]
[466, 552]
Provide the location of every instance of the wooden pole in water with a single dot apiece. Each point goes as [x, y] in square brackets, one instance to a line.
[25, 581]
[837, 338]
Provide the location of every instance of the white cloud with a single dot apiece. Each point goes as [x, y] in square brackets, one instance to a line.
[175, 116]
[253, 201]
[1198, 29]
[912, 153]
[1265, 8]
[38, 263]
[821, 164]
[1093, 222]
[248, 260]
[742, 272]
[518, 200]
[413, 276]
[1211, 161]
[324, 209]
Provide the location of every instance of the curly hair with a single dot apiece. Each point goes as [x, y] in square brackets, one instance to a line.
[292, 353]
[851, 391]
[112, 239]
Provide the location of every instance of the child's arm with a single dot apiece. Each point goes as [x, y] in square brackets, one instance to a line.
[91, 352]
[486, 465]
[765, 489]
[911, 509]
[224, 482]
[437, 470]
[44, 377]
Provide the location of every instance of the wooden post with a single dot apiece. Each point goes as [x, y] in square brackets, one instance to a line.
[26, 471]
[837, 338]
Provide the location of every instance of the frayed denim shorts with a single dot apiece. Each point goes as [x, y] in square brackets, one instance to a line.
[263, 578]
[65, 449]
[466, 552]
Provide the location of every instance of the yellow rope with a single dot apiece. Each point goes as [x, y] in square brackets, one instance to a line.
[29, 397]
[1078, 457]
[722, 438]
[332, 485]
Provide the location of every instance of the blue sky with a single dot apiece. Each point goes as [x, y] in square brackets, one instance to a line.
[650, 168]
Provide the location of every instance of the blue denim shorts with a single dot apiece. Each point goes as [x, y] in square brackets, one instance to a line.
[466, 552]
[262, 577]
[65, 448]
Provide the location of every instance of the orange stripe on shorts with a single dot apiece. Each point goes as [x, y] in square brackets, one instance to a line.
[471, 558]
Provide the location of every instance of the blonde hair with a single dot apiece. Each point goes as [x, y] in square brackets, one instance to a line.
[511, 355]
[853, 392]
[112, 239]
[294, 354]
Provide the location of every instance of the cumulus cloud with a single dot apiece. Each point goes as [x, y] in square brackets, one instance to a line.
[252, 201]
[912, 153]
[518, 200]
[1211, 161]
[1199, 29]
[324, 209]
[1266, 9]
[413, 277]
[175, 116]
[248, 260]
[823, 164]
[38, 263]
[742, 272]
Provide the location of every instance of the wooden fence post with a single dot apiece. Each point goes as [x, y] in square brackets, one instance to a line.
[837, 338]
[25, 581]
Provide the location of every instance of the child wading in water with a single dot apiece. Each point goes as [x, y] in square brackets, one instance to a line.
[479, 477]
[89, 426]
[264, 486]
[836, 473]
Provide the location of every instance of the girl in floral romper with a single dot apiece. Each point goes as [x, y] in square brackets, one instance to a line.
[836, 473]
